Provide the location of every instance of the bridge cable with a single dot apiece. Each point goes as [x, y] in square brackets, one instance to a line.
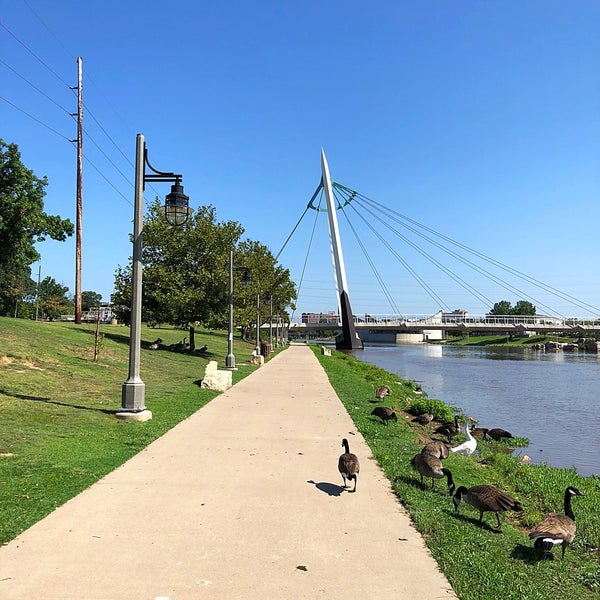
[384, 288]
[309, 205]
[310, 241]
[469, 288]
[506, 285]
[507, 268]
[415, 275]
[482, 271]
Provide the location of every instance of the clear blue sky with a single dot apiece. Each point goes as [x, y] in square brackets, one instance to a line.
[478, 119]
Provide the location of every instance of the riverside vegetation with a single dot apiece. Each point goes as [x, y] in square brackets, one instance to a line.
[478, 561]
[58, 435]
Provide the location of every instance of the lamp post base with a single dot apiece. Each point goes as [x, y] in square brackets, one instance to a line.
[230, 362]
[133, 407]
[130, 415]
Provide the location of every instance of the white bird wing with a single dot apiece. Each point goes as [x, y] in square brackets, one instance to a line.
[467, 447]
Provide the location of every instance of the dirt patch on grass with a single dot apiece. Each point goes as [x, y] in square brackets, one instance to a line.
[30, 364]
[9, 360]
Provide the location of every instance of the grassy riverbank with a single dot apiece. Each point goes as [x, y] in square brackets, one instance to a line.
[503, 340]
[58, 434]
[478, 561]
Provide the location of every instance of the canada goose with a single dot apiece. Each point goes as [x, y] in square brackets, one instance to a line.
[449, 429]
[470, 445]
[423, 419]
[348, 465]
[486, 498]
[497, 434]
[382, 391]
[555, 528]
[385, 414]
[428, 465]
[436, 448]
[479, 432]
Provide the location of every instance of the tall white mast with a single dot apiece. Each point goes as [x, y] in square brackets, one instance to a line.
[350, 339]
[334, 233]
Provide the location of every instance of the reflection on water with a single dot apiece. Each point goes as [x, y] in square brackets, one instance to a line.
[549, 398]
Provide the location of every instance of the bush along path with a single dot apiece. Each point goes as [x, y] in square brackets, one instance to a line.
[479, 560]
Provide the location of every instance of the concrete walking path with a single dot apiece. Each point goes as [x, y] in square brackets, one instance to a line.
[240, 501]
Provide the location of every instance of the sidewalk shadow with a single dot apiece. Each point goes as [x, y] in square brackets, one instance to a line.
[331, 489]
[107, 411]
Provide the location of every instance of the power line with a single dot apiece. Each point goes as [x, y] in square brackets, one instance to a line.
[35, 119]
[34, 54]
[37, 89]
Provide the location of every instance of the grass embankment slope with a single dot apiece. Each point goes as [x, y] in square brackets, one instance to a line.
[58, 432]
[503, 340]
[478, 561]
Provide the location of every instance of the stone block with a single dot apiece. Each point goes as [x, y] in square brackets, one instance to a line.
[214, 379]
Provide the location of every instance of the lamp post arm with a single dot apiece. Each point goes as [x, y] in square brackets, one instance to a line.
[159, 175]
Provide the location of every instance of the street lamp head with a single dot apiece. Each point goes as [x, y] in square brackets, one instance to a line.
[246, 278]
[177, 207]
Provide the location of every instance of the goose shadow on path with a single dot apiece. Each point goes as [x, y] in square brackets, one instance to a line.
[331, 489]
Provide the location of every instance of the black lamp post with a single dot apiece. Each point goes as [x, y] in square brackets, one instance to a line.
[176, 212]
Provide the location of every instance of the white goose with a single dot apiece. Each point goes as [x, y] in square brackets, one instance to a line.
[470, 445]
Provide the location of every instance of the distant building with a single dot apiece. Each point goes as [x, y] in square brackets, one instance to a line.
[104, 310]
[456, 316]
[316, 318]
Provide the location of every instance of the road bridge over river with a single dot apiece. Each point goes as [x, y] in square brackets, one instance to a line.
[488, 324]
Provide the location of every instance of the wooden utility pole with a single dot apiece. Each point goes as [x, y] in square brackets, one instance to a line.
[78, 225]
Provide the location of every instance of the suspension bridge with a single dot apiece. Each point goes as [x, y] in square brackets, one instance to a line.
[386, 225]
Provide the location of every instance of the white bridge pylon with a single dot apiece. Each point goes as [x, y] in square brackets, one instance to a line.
[349, 339]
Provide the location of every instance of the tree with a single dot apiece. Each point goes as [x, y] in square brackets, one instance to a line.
[23, 223]
[503, 307]
[52, 299]
[90, 300]
[522, 307]
[186, 271]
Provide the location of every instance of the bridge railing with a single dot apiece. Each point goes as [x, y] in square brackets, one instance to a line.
[470, 320]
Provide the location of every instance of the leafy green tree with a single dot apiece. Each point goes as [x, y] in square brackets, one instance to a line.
[270, 289]
[23, 223]
[186, 272]
[90, 299]
[522, 307]
[504, 307]
[53, 300]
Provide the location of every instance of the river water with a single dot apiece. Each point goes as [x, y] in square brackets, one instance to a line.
[550, 398]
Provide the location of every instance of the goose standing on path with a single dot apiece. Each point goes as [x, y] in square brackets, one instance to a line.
[428, 465]
[348, 465]
[470, 445]
[385, 414]
[486, 498]
[555, 528]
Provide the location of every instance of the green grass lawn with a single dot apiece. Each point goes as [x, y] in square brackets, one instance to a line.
[58, 432]
[479, 562]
